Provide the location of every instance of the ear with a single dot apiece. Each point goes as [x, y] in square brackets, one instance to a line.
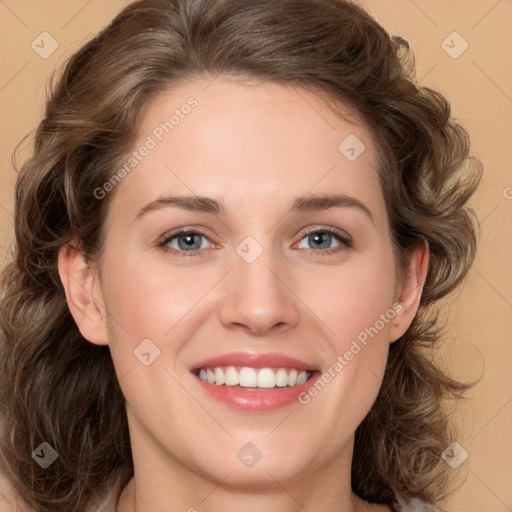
[409, 290]
[83, 294]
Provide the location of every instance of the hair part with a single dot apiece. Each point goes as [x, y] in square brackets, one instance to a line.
[57, 387]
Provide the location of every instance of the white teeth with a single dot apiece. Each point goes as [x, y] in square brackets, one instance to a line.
[282, 378]
[300, 379]
[219, 376]
[266, 378]
[230, 376]
[247, 377]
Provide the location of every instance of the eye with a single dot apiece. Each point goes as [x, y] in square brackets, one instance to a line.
[325, 240]
[185, 241]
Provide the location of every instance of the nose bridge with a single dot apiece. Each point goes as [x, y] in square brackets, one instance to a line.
[256, 296]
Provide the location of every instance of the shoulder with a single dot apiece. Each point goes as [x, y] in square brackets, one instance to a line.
[10, 500]
[416, 505]
[107, 505]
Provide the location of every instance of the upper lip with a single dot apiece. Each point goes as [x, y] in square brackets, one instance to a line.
[254, 360]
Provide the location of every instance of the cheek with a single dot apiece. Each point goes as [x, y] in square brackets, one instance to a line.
[158, 303]
[352, 297]
[356, 303]
[148, 300]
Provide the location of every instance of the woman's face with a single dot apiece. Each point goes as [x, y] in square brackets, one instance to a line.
[291, 270]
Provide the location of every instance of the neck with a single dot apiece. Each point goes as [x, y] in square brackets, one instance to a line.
[223, 497]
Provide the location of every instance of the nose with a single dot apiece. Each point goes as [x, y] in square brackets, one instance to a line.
[257, 297]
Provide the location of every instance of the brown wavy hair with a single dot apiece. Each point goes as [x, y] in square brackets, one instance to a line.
[57, 387]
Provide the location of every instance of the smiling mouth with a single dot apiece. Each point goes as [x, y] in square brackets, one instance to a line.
[253, 379]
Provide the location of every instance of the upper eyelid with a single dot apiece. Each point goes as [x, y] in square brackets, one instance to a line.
[173, 233]
[336, 231]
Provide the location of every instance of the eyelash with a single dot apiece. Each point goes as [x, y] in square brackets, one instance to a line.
[344, 240]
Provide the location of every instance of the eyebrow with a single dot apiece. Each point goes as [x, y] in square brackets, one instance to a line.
[310, 202]
[314, 202]
[192, 203]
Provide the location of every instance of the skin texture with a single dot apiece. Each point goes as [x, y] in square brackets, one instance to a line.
[254, 147]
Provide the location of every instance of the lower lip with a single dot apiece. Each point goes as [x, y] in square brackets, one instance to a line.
[264, 400]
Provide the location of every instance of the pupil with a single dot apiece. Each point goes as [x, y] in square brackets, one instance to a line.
[188, 241]
[321, 239]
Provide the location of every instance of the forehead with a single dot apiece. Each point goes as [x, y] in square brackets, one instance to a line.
[248, 144]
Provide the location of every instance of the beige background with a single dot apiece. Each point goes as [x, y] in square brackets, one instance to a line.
[478, 83]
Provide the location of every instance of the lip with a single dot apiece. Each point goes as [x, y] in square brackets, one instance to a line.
[261, 400]
[255, 360]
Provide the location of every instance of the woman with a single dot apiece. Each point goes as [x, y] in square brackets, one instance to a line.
[237, 220]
